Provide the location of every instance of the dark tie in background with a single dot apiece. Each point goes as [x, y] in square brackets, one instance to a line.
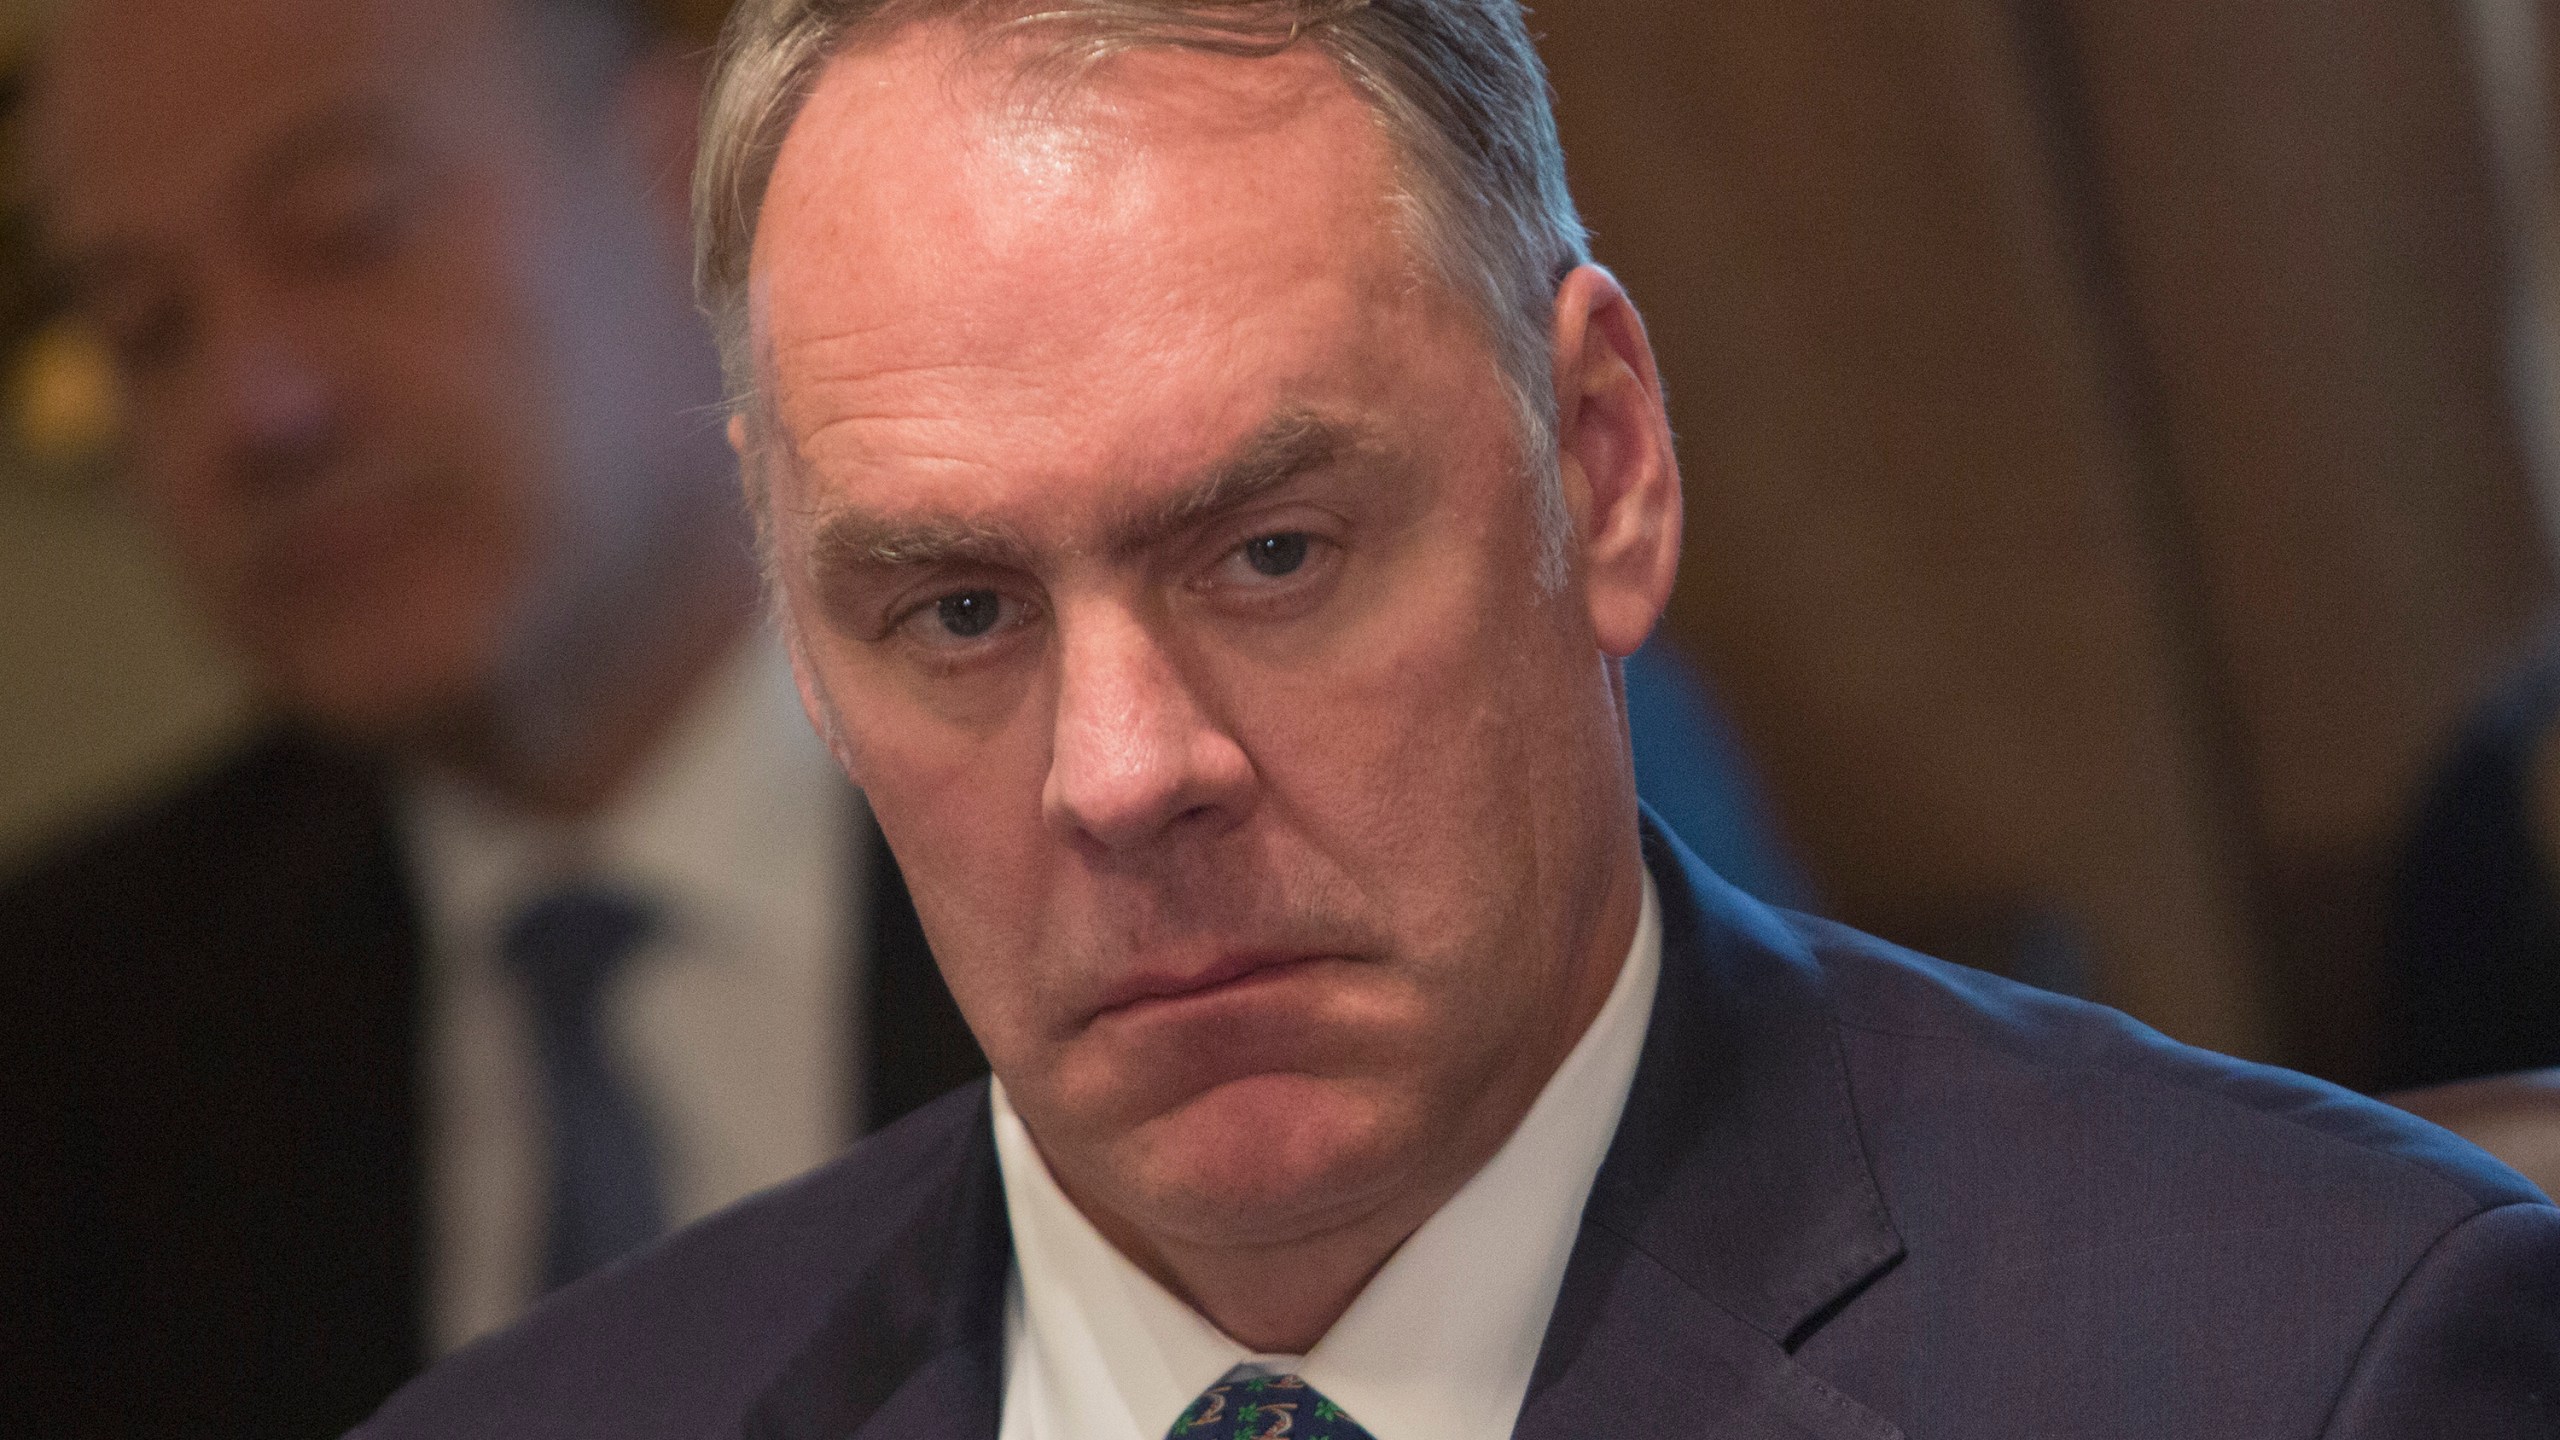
[1265, 1407]
[606, 1199]
[607, 1190]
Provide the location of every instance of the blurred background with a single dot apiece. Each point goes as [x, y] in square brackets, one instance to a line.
[2119, 453]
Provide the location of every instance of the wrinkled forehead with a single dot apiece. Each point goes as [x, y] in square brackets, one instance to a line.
[1114, 275]
[938, 223]
[145, 107]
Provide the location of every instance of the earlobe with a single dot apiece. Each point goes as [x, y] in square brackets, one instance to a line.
[1621, 477]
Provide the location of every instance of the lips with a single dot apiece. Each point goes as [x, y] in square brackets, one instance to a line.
[1229, 973]
[332, 540]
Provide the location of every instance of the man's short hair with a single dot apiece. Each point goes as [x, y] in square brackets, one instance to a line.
[1457, 87]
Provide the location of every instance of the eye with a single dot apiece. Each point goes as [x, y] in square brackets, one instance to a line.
[145, 325]
[1275, 572]
[346, 206]
[342, 226]
[1276, 555]
[969, 614]
[957, 623]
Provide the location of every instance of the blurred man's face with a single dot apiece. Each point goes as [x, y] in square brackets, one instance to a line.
[368, 310]
[1154, 534]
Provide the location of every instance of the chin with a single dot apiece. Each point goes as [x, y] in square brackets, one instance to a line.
[1266, 1159]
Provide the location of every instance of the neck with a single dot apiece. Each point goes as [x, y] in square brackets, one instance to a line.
[1281, 1299]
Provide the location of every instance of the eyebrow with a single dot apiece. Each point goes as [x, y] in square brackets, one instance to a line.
[1291, 444]
[350, 128]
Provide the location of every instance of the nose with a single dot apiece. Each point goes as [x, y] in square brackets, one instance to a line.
[1136, 755]
[274, 407]
[275, 396]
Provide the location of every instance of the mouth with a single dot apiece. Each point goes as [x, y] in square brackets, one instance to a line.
[330, 538]
[1231, 974]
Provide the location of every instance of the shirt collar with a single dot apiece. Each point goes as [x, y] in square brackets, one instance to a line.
[1403, 1360]
[718, 827]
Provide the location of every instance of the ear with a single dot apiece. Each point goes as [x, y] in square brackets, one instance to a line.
[657, 103]
[1621, 478]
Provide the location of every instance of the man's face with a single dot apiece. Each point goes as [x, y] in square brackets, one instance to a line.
[359, 303]
[1156, 543]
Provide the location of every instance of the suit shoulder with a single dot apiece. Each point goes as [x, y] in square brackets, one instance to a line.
[2103, 1231]
[681, 1338]
[1940, 1044]
[207, 828]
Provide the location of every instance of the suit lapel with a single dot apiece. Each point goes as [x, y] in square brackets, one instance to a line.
[1634, 1350]
[1735, 1211]
[914, 1350]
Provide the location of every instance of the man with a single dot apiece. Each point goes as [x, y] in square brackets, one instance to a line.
[422, 411]
[326, 1061]
[1210, 492]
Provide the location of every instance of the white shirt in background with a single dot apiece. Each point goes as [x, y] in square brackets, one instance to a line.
[732, 1021]
[1438, 1347]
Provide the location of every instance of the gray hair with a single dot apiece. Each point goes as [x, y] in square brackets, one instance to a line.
[1456, 85]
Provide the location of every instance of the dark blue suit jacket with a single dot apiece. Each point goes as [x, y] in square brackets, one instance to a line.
[212, 1145]
[1856, 1193]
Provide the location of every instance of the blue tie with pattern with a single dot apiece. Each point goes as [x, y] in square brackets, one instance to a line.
[1265, 1407]
[565, 948]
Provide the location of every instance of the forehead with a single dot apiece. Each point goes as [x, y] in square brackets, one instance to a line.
[940, 237]
[147, 108]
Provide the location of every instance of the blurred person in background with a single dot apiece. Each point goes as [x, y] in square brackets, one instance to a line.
[2469, 1027]
[538, 920]
[2472, 959]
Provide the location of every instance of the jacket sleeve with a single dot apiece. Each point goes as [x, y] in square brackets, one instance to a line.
[2470, 1344]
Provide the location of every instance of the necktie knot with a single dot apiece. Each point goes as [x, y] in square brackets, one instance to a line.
[565, 946]
[1265, 1407]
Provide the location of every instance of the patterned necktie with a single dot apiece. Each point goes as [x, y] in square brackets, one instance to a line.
[565, 948]
[1265, 1407]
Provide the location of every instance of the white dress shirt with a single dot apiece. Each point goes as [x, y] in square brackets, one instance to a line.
[731, 1022]
[1440, 1344]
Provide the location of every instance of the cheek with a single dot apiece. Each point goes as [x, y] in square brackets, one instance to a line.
[960, 806]
[1425, 756]
[1406, 725]
[199, 519]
